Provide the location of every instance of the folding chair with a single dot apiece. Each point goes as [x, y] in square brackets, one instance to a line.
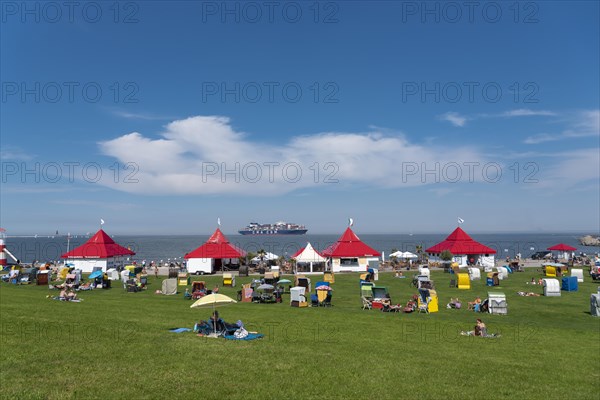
[367, 304]
[424, 307]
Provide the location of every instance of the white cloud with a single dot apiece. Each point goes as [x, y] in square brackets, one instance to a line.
[573, 168]
[525, 112]
[457, 119]
[205, 155]
[140, 116]
[583, 124]
[454, 118]
[14, 153]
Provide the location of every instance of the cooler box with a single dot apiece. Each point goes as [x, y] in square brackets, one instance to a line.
[377, 305]
[569, 283]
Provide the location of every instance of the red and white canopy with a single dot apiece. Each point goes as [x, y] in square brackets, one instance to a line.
[217, 246]
[458, 242]
[349, 245]
[99, 246]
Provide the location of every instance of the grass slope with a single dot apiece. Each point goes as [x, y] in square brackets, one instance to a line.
[117, 345]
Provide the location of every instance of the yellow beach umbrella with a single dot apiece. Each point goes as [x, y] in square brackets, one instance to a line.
[213, 301]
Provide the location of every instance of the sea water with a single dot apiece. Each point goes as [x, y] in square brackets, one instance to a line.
[173, 248]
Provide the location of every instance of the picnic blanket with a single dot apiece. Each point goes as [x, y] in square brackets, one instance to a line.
[63, 299]
[251, 336]
[179, 330]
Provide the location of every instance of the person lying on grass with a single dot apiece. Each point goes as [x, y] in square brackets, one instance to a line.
[454, 303]
[479, 330]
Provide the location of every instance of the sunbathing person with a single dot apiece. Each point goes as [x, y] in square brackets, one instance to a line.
[71, 295]
[454, 303]
[474, 305]
[86, 286]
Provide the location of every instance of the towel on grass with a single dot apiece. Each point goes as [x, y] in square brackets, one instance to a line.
[251, 336]
[179, 330]
[69, 301]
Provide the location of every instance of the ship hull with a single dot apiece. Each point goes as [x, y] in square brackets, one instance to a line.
[273, 232]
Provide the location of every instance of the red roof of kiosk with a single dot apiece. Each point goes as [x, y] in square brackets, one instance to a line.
[217, 246]
[458, 242]
[562, 247]
[98, 246]
[349, 245]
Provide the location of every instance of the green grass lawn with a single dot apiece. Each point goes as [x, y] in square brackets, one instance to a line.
[117, 345]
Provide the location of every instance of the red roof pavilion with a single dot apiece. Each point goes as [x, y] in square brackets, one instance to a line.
[562, 247]
[217, 246]
[458, 242]
[99, 246]
[349, 245]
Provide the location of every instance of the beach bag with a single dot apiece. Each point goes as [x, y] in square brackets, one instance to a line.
[240, 333]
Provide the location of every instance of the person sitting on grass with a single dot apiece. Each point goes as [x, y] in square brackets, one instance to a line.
[474, 305]
[67, 295]
[187, 295]
[480, 330]
[454, 303]
[71, 295]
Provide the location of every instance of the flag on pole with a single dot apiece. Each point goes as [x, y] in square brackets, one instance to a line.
[219, 221]
[460, 220]
[101, 221]
[350, 222]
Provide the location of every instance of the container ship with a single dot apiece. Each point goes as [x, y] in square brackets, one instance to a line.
[279, 228]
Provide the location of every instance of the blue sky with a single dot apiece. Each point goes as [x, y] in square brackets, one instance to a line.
[160, 117]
